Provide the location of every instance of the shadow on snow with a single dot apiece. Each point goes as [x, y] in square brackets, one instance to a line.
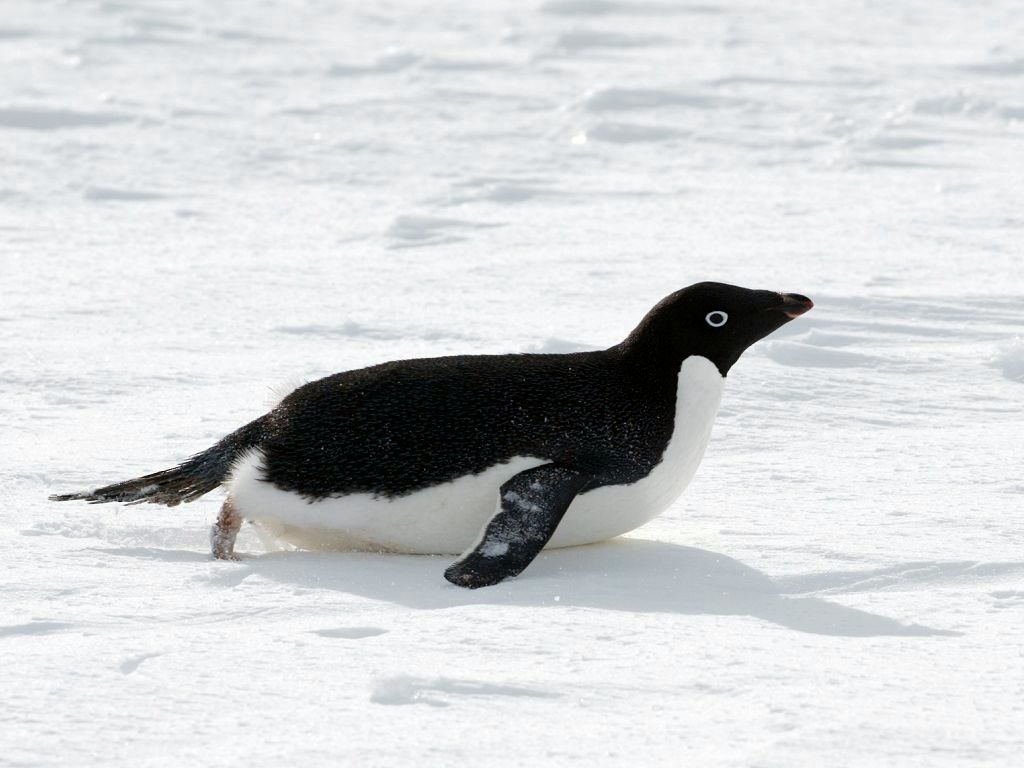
[630, 575]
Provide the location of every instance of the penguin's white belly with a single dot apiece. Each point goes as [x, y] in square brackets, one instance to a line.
[448, 518]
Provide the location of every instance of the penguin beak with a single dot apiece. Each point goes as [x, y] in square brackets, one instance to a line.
[794, 305]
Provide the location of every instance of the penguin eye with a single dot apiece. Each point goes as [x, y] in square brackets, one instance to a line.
[717, 318]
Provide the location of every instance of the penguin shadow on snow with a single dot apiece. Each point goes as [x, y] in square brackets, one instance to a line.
[632, 575]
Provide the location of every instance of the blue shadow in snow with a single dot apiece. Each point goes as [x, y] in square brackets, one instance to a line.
[631, 575]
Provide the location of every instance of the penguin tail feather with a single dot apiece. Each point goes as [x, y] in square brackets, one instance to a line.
[183, 483]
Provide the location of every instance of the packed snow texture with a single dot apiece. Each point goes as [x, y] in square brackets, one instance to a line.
[203, 203]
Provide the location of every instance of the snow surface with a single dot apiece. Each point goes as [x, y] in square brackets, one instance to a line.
[204, 201]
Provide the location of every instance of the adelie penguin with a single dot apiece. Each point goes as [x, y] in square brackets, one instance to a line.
[493, 456]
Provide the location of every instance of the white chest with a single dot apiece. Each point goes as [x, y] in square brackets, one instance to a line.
[447, 518]
[617, 509]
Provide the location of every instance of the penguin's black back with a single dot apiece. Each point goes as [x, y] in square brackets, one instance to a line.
[392, 429]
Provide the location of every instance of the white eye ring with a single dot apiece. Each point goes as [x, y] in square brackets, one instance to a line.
[717, 319]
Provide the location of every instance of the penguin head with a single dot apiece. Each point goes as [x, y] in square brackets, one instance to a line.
[714, 320]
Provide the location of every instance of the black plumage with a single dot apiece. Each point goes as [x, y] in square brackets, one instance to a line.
[594, 418]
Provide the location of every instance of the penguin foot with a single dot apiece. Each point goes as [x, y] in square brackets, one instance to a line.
[229, 556]
[225, 531]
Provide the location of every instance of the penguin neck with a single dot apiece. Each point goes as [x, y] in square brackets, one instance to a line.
[656, 347]
[657, 356]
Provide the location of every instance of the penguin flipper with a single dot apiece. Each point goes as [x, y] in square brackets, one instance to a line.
[530, 507]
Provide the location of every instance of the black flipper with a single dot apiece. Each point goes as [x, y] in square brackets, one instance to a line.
[531, 505]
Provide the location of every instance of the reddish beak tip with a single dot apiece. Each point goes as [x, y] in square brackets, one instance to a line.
[794, 305]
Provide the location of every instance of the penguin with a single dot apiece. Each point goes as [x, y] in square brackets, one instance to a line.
[491, 456]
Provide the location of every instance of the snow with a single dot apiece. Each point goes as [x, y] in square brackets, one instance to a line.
[494, 549]
[1010, 360]
[204, 201]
